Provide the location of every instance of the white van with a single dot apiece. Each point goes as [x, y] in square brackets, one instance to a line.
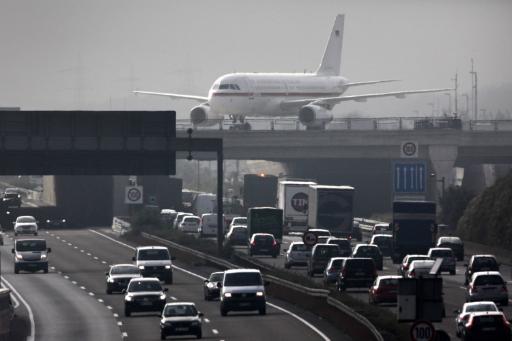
[209, 224]
[205, 203]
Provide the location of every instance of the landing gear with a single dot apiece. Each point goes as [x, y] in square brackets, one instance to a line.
[242, 125]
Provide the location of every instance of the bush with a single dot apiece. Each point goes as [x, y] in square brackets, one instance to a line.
[146, 219]
[453, 203]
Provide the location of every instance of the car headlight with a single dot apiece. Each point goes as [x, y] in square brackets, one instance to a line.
[162, 296]
[110, 280]
[141, 267]
[18, 256]
[47, 221]
[167, 267]
[168, 323]
[43, 256]
[259, 293]
[63, 220]
[227, 294]
[128, 298]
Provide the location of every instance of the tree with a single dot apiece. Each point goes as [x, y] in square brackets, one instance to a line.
[453, 203]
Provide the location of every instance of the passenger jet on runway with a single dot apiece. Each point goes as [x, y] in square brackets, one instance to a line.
[310, 96]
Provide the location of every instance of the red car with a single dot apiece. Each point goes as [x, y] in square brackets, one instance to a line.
[384, 290]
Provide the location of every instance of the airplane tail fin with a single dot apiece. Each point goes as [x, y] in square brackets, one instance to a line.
[331, 61]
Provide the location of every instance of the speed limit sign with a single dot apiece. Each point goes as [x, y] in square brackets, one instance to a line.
[133, 195]
[422, 331]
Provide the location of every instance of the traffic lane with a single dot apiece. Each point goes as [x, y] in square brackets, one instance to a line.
[61, 310]
[189, 288]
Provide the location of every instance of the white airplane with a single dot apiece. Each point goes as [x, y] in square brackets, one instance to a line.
[310, 96]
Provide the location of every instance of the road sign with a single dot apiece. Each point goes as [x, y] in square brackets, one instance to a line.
[309, 238]
[422, 331]
[409, 149]
[410, 177]
[133, 194]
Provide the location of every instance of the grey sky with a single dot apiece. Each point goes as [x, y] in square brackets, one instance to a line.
[89, 54]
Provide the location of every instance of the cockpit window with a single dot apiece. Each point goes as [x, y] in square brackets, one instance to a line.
[229, 86]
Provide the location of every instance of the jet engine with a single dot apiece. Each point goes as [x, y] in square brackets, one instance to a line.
[314, 116]
[202, 115]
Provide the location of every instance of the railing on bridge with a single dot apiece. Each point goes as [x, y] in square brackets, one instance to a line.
[365, 124]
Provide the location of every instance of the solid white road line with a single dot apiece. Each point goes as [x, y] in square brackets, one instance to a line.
[32, 335]
[309, 325]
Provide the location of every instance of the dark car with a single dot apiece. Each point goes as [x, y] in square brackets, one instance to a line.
[480, 263]
[237, 235]
[11, 198]
[180, 318]
[211, 285]
[56, 223]
[369, 251]
[320, 256]
[263, 244]
[356, 273]
[384, 242]
[454, 243]
[343, 244]
[119, 276]
[320, 232]
[144, 294]
[486, 326]
[384, 290]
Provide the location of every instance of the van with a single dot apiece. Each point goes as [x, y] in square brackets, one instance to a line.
[167, 216]
[205, 203]
[320, 256]
[209, 224]
[242, 290]
[30, 255]
[6, 312]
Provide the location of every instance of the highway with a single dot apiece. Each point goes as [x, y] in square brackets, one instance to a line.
[71, 301]
[453, 286]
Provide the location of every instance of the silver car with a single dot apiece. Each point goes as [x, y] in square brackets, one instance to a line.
[468, 308]
[296, 254]
[449, 260]
[487, 286]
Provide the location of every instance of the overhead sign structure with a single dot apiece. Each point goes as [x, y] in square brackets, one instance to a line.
[409, 177]
[422, 331]
[133, 195]
[409, 149]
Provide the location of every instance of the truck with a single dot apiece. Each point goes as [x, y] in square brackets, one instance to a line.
[293, 200]
[413, 227]
[265, 220]
[331, 208]
[260, 190]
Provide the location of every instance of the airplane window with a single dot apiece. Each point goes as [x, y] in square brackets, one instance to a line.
[215, 86]
[224, 86]
[232, 86]
[236, 87]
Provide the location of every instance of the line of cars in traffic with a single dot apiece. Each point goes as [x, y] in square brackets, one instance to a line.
[140, 282]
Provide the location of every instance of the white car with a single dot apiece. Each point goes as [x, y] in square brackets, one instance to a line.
[25, 224]
[472, 307]
[238, 221]
[420, 268]
[190, 223]
[209, 224]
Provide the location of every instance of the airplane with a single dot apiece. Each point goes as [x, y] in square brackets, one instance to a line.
[308, 96]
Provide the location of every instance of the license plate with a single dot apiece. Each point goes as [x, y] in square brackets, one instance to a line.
[244, 304]
[263, 250]
[488, 329]
[359, 273]
[181, 329]
[146, 303]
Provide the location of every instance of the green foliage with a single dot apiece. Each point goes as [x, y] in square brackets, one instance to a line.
[488, 218]
[453, 203]
[146, 218]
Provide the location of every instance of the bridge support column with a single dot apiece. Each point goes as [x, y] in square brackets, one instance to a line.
[443, 159]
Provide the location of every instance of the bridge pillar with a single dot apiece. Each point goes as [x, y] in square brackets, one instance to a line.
[443, 159]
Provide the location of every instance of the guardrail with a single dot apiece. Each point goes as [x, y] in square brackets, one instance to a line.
[313, 292]
[364, 123]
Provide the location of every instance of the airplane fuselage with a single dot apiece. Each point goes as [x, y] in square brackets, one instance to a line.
[260, 94]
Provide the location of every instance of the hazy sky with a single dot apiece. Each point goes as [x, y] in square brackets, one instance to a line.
[90, 54]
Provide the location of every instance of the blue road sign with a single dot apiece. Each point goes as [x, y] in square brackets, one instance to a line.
[410, 177]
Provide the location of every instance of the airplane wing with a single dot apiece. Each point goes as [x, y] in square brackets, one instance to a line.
[329, 102]
[372, 82]
[177, 96]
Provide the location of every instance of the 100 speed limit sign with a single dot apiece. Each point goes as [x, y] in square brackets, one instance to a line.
[423, 331]
[133, 195]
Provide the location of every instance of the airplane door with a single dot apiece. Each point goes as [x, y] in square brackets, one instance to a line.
[252, 98]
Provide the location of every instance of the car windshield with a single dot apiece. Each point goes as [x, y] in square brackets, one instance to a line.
[389, 281]
[125, 269]
[25, 220]
[481, 307]
[299, 247]
[337, 263]
[484, 262]
[241, 221]
[442, 253]
[191, 220]
[411, 259]
[239, 231]
[262, 238]
[136, 286]
[327, 251]
[153, 254]
[216, 277]
[180, 310]
[342, 243]
[31, 245]
[240, 279]
[381, 240]
[450, 240]
[367, 251]
[489, 280]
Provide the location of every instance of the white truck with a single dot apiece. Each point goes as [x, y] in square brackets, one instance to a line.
[293, 200]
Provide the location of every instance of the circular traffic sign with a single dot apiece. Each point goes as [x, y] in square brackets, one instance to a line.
[309, 238]
[422, 331]
[409, 148]
[300, 202]
[134, 194]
